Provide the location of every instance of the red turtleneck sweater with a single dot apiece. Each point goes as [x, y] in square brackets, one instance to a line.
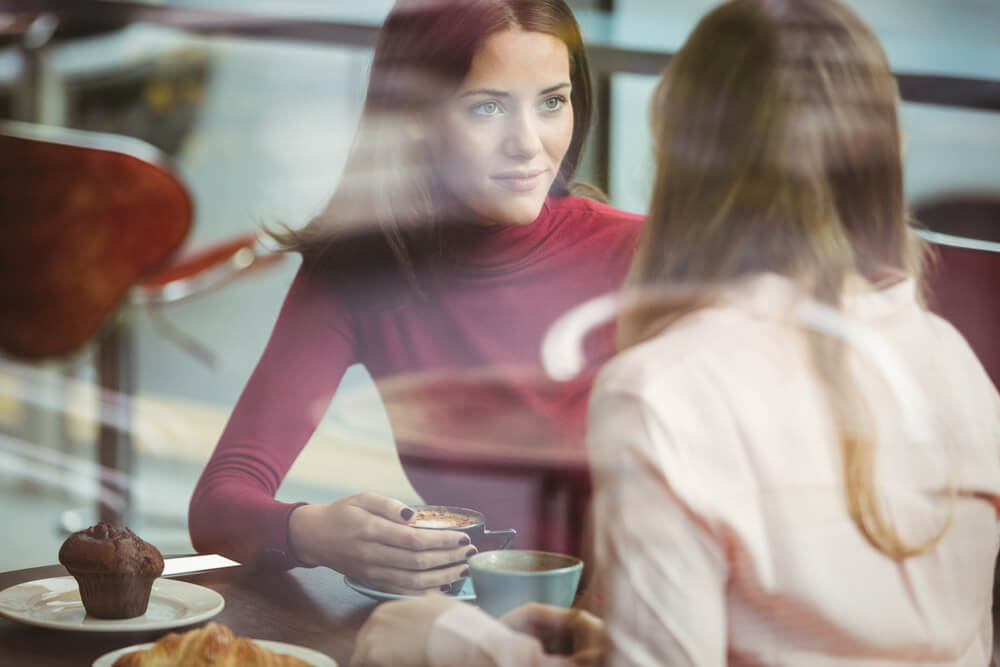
[476, 421]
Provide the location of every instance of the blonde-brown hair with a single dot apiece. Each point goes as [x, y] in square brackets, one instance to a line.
[778, 150]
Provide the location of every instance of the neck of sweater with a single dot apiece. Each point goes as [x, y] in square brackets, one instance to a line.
[489, 249]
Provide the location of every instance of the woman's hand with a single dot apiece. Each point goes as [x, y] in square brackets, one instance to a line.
[396, 634]
[366, 537]
[571, 632]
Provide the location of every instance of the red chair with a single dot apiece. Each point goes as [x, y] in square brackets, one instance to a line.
[92, 223]
[964, 275]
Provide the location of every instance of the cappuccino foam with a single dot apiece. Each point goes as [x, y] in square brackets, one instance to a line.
[441, 519]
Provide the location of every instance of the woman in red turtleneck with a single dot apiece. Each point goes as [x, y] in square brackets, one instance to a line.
[476, 115]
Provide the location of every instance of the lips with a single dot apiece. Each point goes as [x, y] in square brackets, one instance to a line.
[519, 181]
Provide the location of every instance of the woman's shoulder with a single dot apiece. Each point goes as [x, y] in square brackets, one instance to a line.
[313, 298]
[356, 274]
[685, 353]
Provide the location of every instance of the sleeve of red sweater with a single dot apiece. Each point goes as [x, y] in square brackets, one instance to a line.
[233, 511]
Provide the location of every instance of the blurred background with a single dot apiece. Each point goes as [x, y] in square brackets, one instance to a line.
[254, 103]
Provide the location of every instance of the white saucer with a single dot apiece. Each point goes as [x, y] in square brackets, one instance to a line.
[314, 658]
[467, 592]
[55, 603]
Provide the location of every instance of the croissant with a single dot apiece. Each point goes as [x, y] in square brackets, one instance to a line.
[210, 646]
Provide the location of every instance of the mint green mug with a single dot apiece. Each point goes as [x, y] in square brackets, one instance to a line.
[505, 580]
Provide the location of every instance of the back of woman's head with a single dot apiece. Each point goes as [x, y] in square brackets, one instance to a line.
[778, 150]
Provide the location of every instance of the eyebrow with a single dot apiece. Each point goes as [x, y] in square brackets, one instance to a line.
[502, 93]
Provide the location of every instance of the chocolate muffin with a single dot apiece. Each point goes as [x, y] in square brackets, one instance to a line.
[114, 569]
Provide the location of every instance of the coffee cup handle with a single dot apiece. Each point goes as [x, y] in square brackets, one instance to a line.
[509, 532]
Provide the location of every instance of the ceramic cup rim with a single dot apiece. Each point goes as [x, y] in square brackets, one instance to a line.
[479, 516]
[577, 563]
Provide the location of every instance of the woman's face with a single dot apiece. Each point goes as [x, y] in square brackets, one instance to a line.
[498, 141]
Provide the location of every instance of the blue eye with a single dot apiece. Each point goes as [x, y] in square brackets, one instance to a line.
[553, 103]
[491, 108]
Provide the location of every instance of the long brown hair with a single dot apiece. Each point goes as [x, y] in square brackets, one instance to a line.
[778, 150]
[384, 218]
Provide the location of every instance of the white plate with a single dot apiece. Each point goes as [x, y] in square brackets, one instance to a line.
[314, 658]
[55, 603]
[467, 592]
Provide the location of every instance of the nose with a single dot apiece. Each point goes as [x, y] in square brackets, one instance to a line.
[522, 140]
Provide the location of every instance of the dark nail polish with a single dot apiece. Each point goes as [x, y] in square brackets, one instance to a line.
[464, 541]
[446, 588]
[464, 573]
[406, 513]
[471, 552]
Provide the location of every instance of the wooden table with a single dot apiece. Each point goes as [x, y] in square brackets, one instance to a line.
[308, 607]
